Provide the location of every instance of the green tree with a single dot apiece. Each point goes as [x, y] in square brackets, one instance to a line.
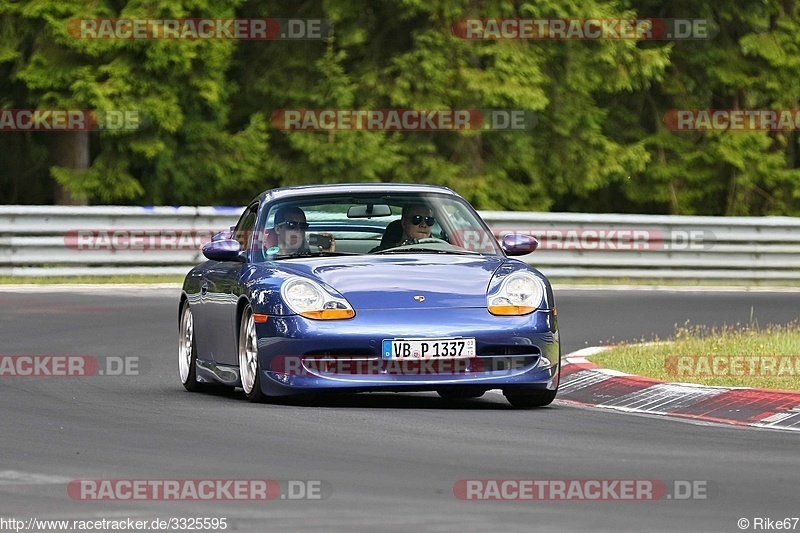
[599, 144]
[183, 154]
[387, 54]
[753, 63]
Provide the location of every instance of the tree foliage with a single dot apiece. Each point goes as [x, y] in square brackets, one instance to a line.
[599, 143]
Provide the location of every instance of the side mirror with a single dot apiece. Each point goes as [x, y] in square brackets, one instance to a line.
[223, 234]
[518, 244]
[223, 250]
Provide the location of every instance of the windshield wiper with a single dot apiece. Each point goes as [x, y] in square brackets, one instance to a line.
[426, 251]
[313, 254]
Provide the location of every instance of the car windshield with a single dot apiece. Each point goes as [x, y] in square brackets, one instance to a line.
[371, 223]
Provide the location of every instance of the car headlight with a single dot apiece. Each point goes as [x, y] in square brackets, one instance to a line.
[520, 293]
[309, 299]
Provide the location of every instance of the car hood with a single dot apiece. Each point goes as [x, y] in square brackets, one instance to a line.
[397, 281]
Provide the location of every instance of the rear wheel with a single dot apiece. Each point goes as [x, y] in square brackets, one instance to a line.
[249, 371]
[530, 400]
[187, 351]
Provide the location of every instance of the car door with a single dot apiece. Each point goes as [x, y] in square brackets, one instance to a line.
[221, 292]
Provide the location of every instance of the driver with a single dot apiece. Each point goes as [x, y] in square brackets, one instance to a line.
[417, 221]
[290, 227]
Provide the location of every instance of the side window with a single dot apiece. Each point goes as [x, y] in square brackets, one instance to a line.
[245, 226]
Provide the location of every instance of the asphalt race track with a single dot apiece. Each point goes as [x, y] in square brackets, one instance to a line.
[386, 462]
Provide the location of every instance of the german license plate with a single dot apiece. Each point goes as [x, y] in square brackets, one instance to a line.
[450, 348]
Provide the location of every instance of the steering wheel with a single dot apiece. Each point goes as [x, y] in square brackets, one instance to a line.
[426, 240]
[432, 240]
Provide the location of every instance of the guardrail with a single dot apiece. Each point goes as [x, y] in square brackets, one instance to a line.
[62, 240]
[45, 240]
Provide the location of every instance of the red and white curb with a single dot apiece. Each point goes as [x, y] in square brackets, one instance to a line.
[588, 384]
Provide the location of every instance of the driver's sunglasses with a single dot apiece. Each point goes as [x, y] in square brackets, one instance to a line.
[293, 224]
[417, 219]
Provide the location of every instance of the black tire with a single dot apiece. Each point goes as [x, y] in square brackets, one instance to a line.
[460, 393]
[187, 350]
[249, 370]
[530, 400]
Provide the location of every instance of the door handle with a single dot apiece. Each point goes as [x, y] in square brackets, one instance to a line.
[204, 288]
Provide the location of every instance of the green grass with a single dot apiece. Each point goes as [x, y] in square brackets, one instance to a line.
[47, 280]
[698, 354]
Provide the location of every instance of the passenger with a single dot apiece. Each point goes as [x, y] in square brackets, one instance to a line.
[290, 227]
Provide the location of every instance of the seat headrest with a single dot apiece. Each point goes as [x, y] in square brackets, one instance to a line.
[392, 234]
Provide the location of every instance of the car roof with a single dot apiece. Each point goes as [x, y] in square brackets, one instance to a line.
[351, 188]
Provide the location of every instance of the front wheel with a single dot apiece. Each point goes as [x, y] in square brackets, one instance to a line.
[249, 371]
[530, 400]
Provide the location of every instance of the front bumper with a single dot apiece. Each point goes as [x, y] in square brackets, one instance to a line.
[298, 355]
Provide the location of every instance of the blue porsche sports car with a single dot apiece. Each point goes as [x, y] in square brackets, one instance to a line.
[368, 287]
